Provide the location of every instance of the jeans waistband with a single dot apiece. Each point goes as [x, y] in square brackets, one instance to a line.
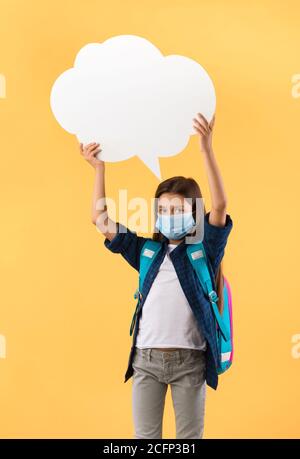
[177, 354]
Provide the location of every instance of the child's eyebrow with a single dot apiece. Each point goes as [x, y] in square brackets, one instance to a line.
[179, 206]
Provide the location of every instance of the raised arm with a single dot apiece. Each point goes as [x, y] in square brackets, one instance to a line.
[99, 212]
[217, 215]
[217, 223]
[118, 238]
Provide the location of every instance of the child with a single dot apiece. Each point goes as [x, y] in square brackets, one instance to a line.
[174, 340]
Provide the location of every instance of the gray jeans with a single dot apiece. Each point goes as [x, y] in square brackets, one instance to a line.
[153, 370]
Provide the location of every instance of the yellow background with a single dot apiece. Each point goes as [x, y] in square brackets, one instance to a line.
[66, 301]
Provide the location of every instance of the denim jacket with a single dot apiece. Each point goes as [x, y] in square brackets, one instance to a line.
[129, 245]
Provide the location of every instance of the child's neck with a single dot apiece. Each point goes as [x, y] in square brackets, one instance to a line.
[175, 241]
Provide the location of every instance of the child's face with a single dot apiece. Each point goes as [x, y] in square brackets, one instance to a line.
[173, 203]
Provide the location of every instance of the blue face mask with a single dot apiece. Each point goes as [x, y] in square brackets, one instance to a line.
[175, 226]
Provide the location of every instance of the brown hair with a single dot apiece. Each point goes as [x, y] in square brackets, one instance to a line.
[188, 188]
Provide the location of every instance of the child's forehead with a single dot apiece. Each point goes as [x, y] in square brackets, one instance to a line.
[173, 200]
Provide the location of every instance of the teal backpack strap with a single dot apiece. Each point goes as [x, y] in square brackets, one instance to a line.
[197, 256]
[148, 253]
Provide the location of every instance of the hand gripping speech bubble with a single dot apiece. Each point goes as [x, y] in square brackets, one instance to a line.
[129, 97]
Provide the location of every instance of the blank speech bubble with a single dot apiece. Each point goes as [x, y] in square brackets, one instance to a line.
[129, 97]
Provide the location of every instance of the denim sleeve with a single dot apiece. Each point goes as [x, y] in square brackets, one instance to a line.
[215, 239]
[128, 244]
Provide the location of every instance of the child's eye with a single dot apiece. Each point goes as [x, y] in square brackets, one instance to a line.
[162, 211]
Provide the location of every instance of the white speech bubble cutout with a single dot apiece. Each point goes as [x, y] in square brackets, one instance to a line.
[129, 97]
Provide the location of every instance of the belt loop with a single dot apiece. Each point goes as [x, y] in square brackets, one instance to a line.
[180, 356]
[149, 354]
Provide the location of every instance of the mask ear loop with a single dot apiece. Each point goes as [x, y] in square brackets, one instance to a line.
[156, 223]
[194, 227]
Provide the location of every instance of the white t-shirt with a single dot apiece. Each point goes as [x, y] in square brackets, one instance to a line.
[167, 319]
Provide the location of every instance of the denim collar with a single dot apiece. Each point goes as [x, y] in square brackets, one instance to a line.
[177, 251]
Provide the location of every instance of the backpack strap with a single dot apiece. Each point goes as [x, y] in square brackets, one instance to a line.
[148, 253]
[197, 256]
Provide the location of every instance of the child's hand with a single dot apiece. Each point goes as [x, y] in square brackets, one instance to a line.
[89, 152]
[205, 129]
